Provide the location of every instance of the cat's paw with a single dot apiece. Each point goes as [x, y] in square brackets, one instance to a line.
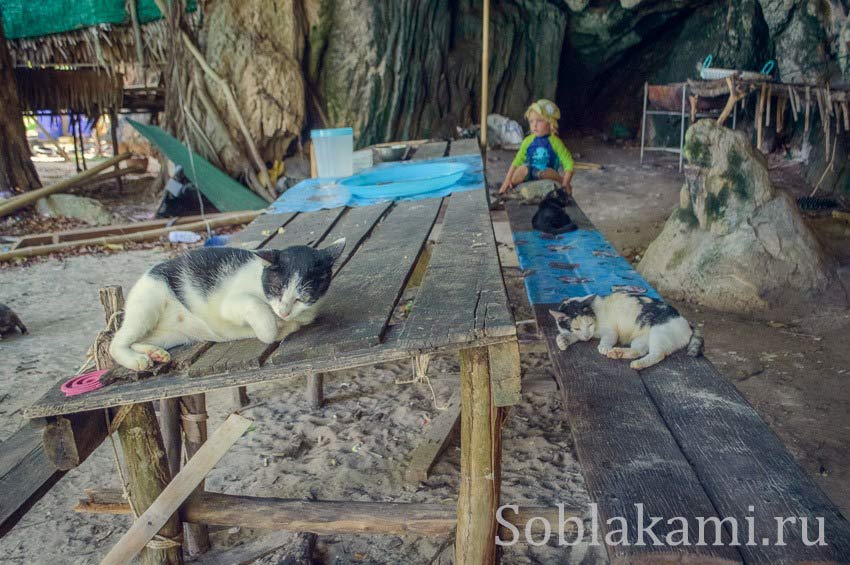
[137, 362]
[267, 335]
[154, 353]
[563, 342]
[603, 349]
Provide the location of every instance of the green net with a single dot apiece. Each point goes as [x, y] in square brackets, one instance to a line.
[25, 18]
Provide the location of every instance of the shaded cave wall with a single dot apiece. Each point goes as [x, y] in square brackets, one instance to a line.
[407, 69]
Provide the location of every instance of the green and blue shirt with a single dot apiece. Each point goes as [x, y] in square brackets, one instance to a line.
[540, 153]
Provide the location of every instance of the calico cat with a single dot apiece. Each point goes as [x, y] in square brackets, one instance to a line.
[652, 328]
[550, 216]
[222, 294]
[9, 321]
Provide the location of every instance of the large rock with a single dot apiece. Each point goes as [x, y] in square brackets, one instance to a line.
[88, 210]
[735, 243]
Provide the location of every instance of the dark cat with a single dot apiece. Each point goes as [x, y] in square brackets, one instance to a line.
[9, 321]
[550, 216]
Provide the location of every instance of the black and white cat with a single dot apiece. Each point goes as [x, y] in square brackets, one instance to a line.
[222, 294]
[652, 329]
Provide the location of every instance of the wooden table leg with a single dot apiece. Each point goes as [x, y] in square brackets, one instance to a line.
[148, 474]
[240, 397]
[480, 461]
[316, 390]
[169, 424]
[194, 417]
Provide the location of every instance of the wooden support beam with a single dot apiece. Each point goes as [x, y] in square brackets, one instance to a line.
[326, 517]
[169, 424]
[161, 512]
[480, 462]
[240, 397]
[148, 475]
[69, 440]
[315, 390]
[193, 414]
[438, 437]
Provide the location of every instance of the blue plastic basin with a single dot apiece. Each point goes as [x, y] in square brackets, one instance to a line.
[404, 180]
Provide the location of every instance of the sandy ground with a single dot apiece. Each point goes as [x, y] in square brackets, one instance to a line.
[357, 445]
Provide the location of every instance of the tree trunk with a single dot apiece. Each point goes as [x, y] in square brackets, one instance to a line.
[17, 172]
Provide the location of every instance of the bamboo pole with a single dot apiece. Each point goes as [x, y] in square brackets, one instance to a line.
[315, 391]
[808, 103]
[485, 70]
[480, 461]
[793, 102]
[760, 116]
[27, 198]
[231, 219]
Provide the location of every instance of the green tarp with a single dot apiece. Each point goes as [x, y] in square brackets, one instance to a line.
[225, 193]
[34, 18]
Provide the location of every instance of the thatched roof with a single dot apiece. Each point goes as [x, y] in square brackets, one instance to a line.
[81, 91]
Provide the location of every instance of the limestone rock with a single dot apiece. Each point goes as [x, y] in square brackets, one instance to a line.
[533, 192]
[734, 242]
[88, 210]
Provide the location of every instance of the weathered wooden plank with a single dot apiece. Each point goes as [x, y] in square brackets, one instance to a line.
[306, 229]
[363, 295]
[462, 297]
[627, 454]
[241, 355]
[25, 475]
[505, 374]
[262, 229]
[439, 435]
[430, 150]
[69, 440]
[168, 385]
[355, 226]
[743, 466]
[464, 147]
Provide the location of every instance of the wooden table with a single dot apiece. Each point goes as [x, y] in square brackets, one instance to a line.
[460, 305]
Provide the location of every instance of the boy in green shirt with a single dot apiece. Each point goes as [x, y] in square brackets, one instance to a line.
[542, 154]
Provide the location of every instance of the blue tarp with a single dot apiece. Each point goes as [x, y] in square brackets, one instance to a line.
[317, 194]
[574, 264]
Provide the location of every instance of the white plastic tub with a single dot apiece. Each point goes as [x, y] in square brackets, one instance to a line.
[334, 151]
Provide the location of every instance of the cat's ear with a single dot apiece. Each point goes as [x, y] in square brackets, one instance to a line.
[335, 249]
[587, 300]
[557, 315]
[267, 255]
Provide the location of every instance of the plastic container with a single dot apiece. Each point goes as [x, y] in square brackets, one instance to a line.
[398, 181]
[334, 152]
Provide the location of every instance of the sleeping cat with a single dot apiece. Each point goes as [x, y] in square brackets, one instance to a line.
[652, 328]
[9, 321]
[222, 294]
[550, 216]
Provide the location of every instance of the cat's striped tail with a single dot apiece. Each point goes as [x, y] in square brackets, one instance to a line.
[696, 345]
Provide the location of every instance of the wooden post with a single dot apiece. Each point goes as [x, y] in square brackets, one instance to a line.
[148, 475]
[193, 411]
[315, 390]
[113, 127]
[240, 397]
[480, 462]
[169, 423]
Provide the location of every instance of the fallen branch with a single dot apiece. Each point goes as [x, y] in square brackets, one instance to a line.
[22, 201]
[53, 140]
[224, 220]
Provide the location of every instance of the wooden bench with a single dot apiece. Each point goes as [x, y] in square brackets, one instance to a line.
[460, 306]
[677, 438]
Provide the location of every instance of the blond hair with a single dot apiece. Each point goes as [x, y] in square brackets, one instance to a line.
[548, 110]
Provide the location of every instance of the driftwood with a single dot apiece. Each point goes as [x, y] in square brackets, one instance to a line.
[230, 219]
[22, 201]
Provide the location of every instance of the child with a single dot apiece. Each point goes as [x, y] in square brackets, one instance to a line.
[542, 154]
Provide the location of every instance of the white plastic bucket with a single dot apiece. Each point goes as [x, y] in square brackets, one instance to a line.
[334, 151]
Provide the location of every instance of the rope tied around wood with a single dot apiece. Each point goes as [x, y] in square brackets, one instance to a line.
[193, 433]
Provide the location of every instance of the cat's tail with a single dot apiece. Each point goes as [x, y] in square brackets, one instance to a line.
[696, 345]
